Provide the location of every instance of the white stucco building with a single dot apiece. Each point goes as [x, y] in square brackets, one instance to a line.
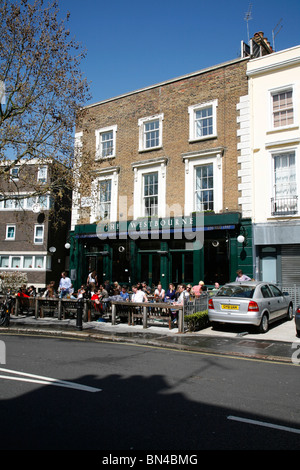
[270, 164]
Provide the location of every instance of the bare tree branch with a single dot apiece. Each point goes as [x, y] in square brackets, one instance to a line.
[44, 89]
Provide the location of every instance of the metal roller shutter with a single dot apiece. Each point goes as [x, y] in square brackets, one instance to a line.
[290, 265]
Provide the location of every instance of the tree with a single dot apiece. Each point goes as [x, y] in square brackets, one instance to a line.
[44, 90]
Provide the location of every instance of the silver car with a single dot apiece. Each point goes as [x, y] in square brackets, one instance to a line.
[253, 303]
[297, 321]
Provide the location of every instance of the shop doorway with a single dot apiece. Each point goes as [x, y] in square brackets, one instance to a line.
[149, 262]
[216, 261]
[181, 267]
[94, 263]
[121, 263]
[150, 268]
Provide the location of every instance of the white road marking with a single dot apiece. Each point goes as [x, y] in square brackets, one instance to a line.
[46, 381]
[262, 423]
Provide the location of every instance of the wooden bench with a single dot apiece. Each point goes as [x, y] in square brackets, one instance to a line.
[61, 307]
[145, 311]
[24, 305]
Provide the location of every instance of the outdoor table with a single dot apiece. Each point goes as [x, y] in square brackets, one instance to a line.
[145, 307]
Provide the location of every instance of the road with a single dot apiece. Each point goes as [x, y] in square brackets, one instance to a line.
[86, 395]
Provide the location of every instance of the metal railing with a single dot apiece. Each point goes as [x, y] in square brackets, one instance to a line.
[196, 304]
[294, 292]
[284, 205]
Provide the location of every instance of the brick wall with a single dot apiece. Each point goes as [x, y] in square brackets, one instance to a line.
[226, 83]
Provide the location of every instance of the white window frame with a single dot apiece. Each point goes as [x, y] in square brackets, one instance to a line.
[38, 240]
[147, 197]
[42, 174]
[142, 133]
[273, 154]
[31, 264]
[12, 258]
[213, 189]
[41, 259]
[12, 170]
[103, 185]
[8, 226]
[111, 174]
[276, 91]
[194, 160]
[8, 261]
[34, 266]
[99, 147]
[140, 169]
[23, 201]
[192, 120]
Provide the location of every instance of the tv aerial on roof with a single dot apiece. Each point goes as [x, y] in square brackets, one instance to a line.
[247, 18]
[275, 31]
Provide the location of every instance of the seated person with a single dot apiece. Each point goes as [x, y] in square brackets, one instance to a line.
[138, 294]
[98, 298]
[124, 294]
[49, 292]
[23, 299]
[170, 294]
[159, 293]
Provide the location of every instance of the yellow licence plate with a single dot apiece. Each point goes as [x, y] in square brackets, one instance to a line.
[230, 307]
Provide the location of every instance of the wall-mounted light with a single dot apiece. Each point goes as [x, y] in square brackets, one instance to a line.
[67, 246]
[241, 238]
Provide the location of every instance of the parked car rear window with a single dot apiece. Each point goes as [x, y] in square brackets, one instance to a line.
[236, 291]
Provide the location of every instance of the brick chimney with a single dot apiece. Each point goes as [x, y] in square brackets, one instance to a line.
[262, 43]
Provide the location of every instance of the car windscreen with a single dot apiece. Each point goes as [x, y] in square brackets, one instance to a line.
[236, 291]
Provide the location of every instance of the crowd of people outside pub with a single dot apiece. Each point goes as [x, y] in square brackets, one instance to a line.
[101, 294]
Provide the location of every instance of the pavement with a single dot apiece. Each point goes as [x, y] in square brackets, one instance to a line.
[279, 344]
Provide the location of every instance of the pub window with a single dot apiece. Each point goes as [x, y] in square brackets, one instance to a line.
[204, 188]
[105, 198]
[151, 194]
[106, 142]
[150, 132]
[203, 120]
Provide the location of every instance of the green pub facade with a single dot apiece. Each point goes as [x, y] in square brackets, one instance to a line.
[167, 250]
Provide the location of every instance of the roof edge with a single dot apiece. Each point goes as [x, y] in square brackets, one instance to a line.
[166, 82]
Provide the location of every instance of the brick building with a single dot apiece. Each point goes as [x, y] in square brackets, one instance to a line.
[27, 225]
[162, 203]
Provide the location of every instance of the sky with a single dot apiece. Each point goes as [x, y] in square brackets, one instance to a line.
[133, 44]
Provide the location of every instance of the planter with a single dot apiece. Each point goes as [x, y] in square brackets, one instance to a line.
[197, 321]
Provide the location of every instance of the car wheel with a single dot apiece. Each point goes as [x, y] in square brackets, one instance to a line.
[215, 325]
[290, 312]
[264, 324]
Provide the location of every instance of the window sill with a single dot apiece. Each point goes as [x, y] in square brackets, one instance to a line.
[150, 149]
[282, 129]
[102, 159]
[283, 217]
[200, 139]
